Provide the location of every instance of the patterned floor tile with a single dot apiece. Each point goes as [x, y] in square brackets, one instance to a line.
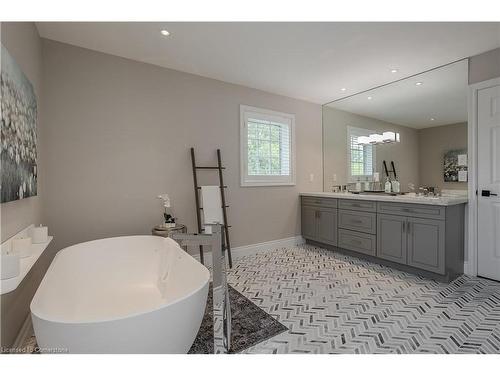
[334, 303]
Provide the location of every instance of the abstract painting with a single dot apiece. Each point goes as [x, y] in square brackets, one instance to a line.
[455, 166]
[18, 116]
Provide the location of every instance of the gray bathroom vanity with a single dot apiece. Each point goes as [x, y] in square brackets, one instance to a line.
[418, 234]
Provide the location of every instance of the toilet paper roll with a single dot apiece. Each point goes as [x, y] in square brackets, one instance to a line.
[11, 266]
[39, 234]
[22, 246]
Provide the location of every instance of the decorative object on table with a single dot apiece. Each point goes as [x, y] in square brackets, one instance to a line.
[455, 166]
[11, 265]
[22, 246]
[169, 219]
[39, 234]
[17, 133]
[222, 187]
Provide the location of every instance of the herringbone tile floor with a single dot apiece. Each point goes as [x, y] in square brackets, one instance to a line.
[333, 303]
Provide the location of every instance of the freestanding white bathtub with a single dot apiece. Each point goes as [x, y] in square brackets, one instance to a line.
[138, 294]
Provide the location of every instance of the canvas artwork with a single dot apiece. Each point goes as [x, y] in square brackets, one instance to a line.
[455, 166]
[18, 132]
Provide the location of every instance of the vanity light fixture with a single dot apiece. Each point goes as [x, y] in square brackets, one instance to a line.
[374, 139]
[388, 137]
[364, 140]
[165, 32]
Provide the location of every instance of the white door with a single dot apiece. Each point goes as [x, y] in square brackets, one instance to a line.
[488, 162]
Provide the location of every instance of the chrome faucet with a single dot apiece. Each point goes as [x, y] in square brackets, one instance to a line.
[220, 291]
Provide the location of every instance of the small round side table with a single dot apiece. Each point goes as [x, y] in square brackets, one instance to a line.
[161, 231]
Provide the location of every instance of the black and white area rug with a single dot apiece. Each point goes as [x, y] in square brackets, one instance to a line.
[250, 325]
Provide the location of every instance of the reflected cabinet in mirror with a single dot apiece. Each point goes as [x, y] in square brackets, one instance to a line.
[409, 136]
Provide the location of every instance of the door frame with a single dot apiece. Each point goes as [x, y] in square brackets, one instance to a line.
[470, 265]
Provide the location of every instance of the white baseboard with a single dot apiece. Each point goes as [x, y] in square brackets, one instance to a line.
[240, 251]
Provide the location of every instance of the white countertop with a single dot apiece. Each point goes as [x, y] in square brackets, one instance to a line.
[445, 200]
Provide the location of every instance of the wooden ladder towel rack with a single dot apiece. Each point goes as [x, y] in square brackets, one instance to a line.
[222, 187]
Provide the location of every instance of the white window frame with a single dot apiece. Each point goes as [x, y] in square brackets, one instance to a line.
[269, 115]
[360, 132]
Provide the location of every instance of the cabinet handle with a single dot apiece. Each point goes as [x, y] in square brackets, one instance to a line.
[319, 214]
[404, 226]
[356, 221]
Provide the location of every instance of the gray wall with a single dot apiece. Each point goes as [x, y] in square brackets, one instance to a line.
[118, 133]
[433, 144]
[404, 154]
[484, 66]
[24, 44]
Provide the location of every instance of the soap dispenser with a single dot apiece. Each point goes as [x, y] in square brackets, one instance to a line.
[396, 186]
[387, 185]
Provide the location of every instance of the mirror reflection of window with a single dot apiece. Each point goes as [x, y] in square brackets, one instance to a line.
[361, 158]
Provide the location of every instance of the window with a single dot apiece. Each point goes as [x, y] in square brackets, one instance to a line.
[267, 147]
[360, 158]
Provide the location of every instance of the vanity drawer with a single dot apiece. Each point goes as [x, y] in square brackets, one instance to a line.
[320, 202]
[356, 241]
[359, 221]
[357, 205]
[414, 210]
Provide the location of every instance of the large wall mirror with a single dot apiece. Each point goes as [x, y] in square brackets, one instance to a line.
[417, 125]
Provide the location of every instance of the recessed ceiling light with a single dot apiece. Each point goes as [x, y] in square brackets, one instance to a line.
[369, 98]
[394, 70]
[418, 83]
[432, 118]
[165, 32]
[343, 89]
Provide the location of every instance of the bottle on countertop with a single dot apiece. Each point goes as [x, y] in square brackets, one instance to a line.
[388, 186]
[396, 186]
[367, 186]
[358, 185]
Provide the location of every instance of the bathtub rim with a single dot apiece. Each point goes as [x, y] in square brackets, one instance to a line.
[121, 317]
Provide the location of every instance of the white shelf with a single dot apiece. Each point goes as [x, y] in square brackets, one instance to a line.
[37, 249]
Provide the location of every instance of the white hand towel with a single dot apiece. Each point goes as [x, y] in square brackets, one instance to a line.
[212, 205]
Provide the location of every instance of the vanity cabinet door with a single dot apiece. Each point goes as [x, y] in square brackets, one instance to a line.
[426, 244]
[391, 238]
[327, 225]
[309, 224]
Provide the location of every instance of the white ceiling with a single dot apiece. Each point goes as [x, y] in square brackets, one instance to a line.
[310, 61]
[442, 96]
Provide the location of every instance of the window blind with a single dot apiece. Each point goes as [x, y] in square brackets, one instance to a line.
[361, 158]
[268, 147]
